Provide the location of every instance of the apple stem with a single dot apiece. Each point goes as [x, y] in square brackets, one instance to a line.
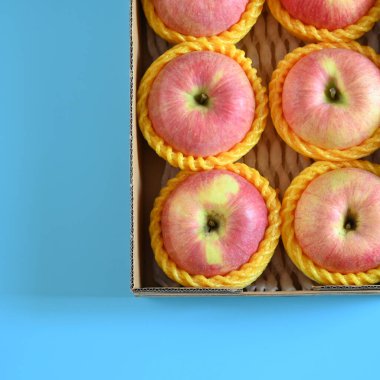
[201, 99]
[348, 227]
[333, 93]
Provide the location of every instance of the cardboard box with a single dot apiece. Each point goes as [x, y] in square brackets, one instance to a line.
[146, 173]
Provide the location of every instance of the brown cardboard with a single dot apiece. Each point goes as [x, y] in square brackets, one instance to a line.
[146, 172]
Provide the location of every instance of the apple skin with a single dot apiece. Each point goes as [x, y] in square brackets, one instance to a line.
[228, 200]
[327, 14]
[200, 18]
[192, 128]
[355, 115]
[323, 211]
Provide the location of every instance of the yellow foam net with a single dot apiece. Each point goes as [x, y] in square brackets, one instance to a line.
[313, 34]
[292, 247]
[234, 34]
[285, 131]
[176, 158]
[248, 272]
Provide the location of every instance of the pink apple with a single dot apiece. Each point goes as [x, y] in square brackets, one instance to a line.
[213, 222]
[200, 18]
[328, 14]
[201, 103]
[337, 221]
[331, 98]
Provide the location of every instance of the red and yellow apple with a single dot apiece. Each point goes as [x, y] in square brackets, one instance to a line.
[331, 98]
[201, 103]
[328, 14]
[213, 222]
[337, 221]
[200, 18]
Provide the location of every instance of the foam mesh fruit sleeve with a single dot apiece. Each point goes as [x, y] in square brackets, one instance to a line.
[249, 271]
[234, 34]
[310, 33]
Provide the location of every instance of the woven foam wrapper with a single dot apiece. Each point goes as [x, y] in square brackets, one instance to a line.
[289, 205]
[249, 271]
[266, 44]
[313, 34]
[177, 158]
[276, 86]
[234, 34]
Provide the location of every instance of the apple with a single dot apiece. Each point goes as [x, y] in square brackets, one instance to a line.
[337, 221]
[331, 98]
[201, 103]
[327, 14]
[200, 18]
[213, 222]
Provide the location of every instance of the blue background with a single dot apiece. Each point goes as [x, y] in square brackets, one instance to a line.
[66, 311]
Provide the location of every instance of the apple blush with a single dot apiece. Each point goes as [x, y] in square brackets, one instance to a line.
[337, 221]
[213, 222]
[327, 14]
[201, 103]
[331, 98]
[200, 18]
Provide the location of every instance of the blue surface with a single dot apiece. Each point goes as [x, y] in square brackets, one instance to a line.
[65, 308]
[64, 116]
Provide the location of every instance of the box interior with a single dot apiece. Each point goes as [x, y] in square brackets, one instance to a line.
[147, 170]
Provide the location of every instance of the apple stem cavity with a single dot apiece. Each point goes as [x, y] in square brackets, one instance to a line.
[201, 99]
[350, 223]
[332, 93]
[212, 224]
